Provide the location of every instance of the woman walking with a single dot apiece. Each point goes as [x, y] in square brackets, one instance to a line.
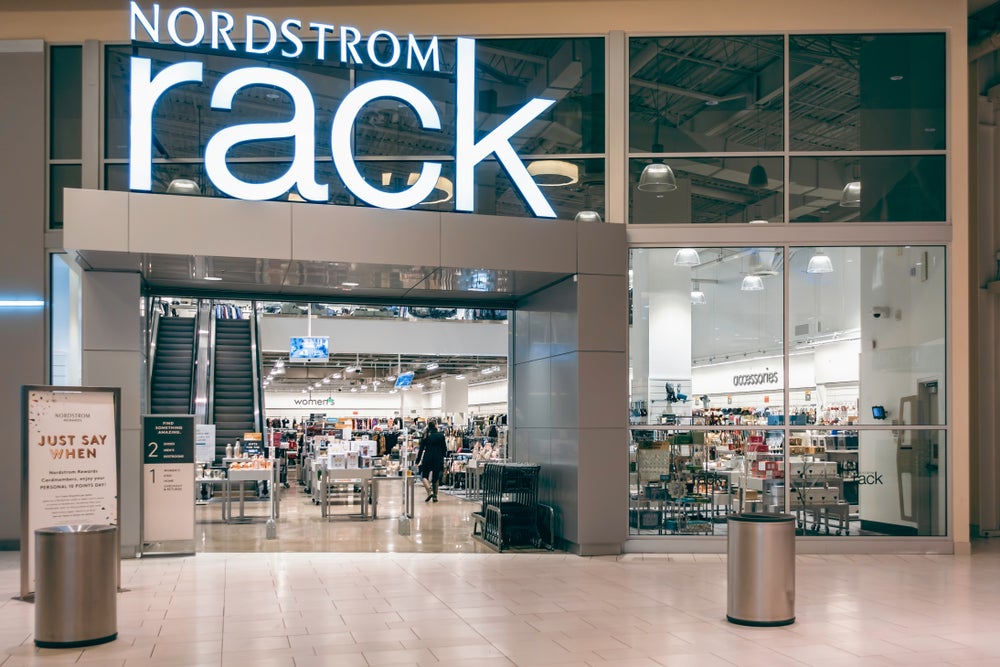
[430, 459]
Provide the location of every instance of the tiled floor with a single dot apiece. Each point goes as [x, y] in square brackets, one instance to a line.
[442, 527]
[301, 610]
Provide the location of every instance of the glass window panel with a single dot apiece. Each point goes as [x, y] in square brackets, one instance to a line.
[496, 195]
[686, 482]
[867, 482]
[710, 189]
[867, 92]
[65, 102]
[398, 176]
[906, 188]
[61, 176]
[706, 94]
[509, 72]
[183, 120]
[116, 178]
[868, 335]
[705, 339]
[66, 362]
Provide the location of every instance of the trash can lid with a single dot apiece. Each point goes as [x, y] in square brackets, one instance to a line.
[77, 528]
[761, 517]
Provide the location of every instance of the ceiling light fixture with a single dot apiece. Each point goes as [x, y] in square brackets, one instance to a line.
[183, 186]
[349, 284]
[752, 284]
[687, 257]
[820, 263]
[697, 296]
[432, 366]
[216, 278]
[459, 377]
[443, 190]
[587, 216]
[554, 173]
[657, 176]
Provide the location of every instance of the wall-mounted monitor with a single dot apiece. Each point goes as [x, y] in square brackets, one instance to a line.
[309, 348]
[404, 380]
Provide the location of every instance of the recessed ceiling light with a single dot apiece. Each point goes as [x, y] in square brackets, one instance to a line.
[432, 366]
[212, 278]
[326, 380]
[349, 284]
[390, 378]
[930, 129]
[336, 376]
[354, 390]
[272, 96]
[896, 77]
[459, 377]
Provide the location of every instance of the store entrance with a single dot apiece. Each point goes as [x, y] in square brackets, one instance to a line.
[318, 411]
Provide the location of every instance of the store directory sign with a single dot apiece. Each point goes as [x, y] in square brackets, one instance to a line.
[168, 446]
[292, 38]
[70, 463]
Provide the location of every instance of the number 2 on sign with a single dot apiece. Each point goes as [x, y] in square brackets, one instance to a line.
[153, 448]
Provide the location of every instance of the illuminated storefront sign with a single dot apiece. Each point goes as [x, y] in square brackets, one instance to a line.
[188, 28]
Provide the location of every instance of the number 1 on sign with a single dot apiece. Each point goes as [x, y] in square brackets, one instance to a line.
[152, 474]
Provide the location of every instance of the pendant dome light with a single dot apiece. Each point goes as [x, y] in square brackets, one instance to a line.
[752, 284]
[183, 186]
[587, 216]
[657, 176]
[687, 257]
[820, 263]
[554, 173]
[697, 296]
[758, 175]
[851, 196]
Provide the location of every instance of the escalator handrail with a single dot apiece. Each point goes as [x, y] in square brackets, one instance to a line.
[213, 347]
[194, 362]
[153, 330]
[257, 366]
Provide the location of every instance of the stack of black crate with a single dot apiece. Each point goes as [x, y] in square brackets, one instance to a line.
[510, 504]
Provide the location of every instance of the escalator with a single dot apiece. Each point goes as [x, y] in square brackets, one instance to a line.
[171, 384]
[233, 388]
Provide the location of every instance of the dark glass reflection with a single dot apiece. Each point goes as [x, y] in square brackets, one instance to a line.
[61, 176]
[496, 195]
[183, 120]
[711, 190]
[509, 73]
[711, 94]
[65, 95]
[398, 176]
[867, 92]
[868, 189]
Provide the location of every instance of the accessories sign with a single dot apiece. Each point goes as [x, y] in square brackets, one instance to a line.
[188, 28]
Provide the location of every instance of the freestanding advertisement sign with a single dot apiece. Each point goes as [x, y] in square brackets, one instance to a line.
[70, 462]
[168, 482]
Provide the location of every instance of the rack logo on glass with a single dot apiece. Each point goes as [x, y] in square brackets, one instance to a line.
[187, 28]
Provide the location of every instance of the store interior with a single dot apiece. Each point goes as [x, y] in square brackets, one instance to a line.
[318, 412]
[865, 344]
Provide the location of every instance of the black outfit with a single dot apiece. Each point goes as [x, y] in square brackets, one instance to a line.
[430, 456]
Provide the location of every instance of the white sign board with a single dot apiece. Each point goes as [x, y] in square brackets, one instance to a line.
[70, 463]
[204, 443]
[168, 478]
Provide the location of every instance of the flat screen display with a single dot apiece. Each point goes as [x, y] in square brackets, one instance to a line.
[309, 348]
[404, 380]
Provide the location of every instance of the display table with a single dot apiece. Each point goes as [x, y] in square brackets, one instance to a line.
[241, 477]
[328, 475]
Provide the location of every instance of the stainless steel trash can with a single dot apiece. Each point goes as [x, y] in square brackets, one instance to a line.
[76, 586]
[761, 569]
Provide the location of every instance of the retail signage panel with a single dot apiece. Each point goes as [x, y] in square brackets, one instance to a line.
[404, 380]
[70, 463]
[309, 348]
[204, 443]
[190, 28]
[168, 494]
